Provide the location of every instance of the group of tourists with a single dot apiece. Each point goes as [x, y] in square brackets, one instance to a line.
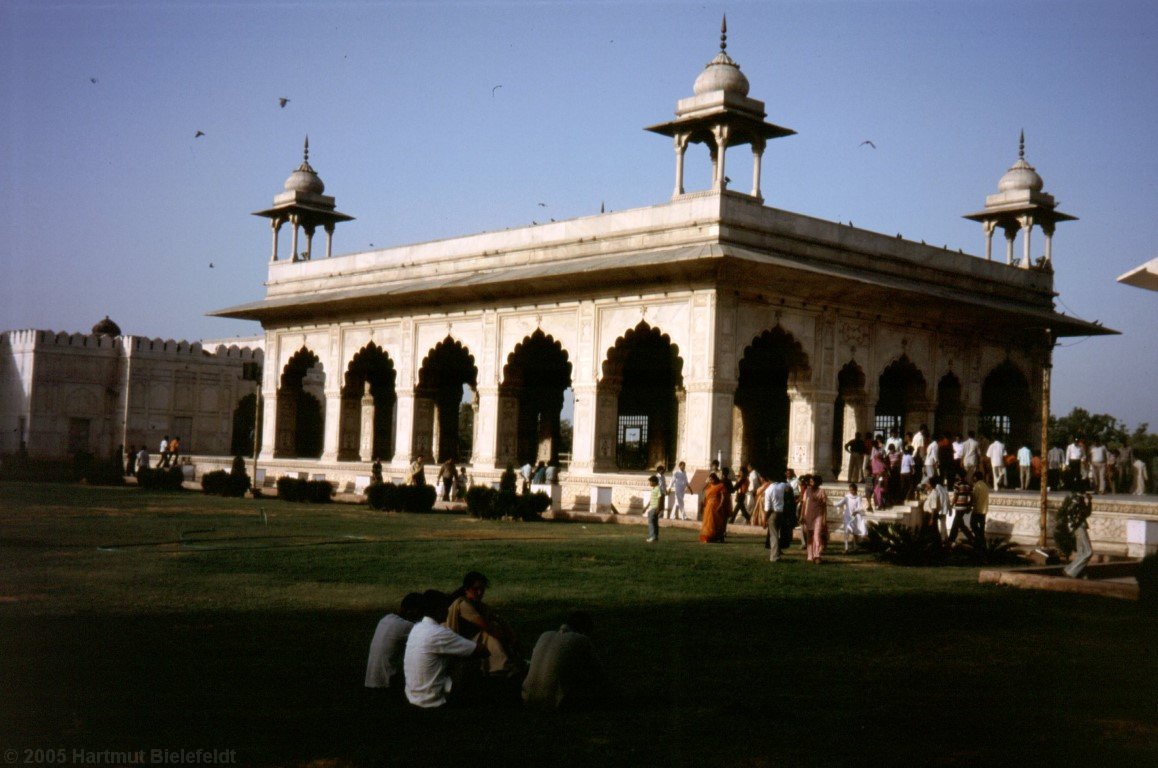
[137, 459]
[440, 649]
[1099, 467]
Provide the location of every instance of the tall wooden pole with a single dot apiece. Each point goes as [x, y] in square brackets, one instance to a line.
[1047, 369]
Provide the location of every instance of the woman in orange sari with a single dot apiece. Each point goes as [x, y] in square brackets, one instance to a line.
[814, 517]
[715, 519]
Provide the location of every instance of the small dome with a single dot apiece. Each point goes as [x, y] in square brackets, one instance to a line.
[1021, 176]
[106, 327]
[721, 74]
[305, 179]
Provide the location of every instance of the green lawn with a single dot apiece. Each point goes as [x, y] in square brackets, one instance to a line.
[132, 620]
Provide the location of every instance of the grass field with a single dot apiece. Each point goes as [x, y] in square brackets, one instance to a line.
[137, 621]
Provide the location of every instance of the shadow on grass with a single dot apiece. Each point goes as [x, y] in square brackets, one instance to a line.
[999, 679]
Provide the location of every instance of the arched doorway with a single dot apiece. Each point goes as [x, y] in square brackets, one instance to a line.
[901, 397]
[769, 365]
[446, 374]
[300, 416]
[848, 412]
[949, 417]
[370, 368]
[642, 378]
[245, 419]
[1006, 405]
[535, 379]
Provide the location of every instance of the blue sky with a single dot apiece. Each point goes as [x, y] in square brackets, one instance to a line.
[113, 207]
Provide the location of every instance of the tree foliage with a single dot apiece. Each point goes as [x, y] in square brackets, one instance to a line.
[1080, 423]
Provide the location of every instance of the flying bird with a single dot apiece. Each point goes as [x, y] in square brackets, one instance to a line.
[211, 265]
[199, 134]
[495, 89]
[281, 102]
[866, 141]
[92, 80]
[542, 205]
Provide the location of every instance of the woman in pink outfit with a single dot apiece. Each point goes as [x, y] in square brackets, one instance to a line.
[814, 517]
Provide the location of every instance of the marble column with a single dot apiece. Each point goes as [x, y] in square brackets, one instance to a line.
[333, 421]
[366, 433]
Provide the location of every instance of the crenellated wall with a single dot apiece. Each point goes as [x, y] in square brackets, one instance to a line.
[64, 392]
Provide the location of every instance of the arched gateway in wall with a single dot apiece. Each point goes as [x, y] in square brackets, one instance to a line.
[446, 371]
[300, 409]
[901, 400]
[1006, 405]
[773, 362]
[368, 403]
[641, 389]
[535, 377]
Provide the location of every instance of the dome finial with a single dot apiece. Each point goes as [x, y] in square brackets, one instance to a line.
[1021, 145]
[306, 150]
[724, 33]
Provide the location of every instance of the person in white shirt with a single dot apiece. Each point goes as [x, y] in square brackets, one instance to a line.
[754, 483]
[853, 508]
[773, 502]
[679, 486]
[430, 650]
[163, 450]
[1075, 455]
[970, 454]
[1055, 458]
[920, 443]
[1098, 456]
[931, 462]
[1140, 476]
[1025, 466]
[958, 453]
[996, 455]
[384, 664]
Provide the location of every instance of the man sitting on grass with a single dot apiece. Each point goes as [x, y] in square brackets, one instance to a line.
[430, 651]
[565, 672]
[387, 648]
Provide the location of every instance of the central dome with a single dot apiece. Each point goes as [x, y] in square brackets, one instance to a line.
[721, 74]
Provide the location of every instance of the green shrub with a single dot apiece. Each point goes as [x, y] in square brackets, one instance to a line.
[157, 479]
[488, 504]
[901, 545]
[310, 491]
[401, 498]
[983, 551]
[222, 483]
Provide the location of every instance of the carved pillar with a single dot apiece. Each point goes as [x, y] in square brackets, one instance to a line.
[352, 431]
[366, 433]
[333, 418]
[329, 240]
[583, 442]
[405, 419]
[275, 225]
[757, 161]
[309, 241]
[681, 147]
[721, 134]
[990, 225]
[293, 219]
[1010, 236]
[1026, 223]
[1047, 229]
[506, 451]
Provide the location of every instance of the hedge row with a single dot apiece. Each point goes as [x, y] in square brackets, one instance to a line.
[401, 498]
[222, 483]
[168, 479]
[312, 491]
[490, 504]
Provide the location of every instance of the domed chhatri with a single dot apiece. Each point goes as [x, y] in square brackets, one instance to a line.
[720, 114]
[305, 178]
[304, 207]
[1019, 205]
[721, 73]
[106, 327]
[1021, 175]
